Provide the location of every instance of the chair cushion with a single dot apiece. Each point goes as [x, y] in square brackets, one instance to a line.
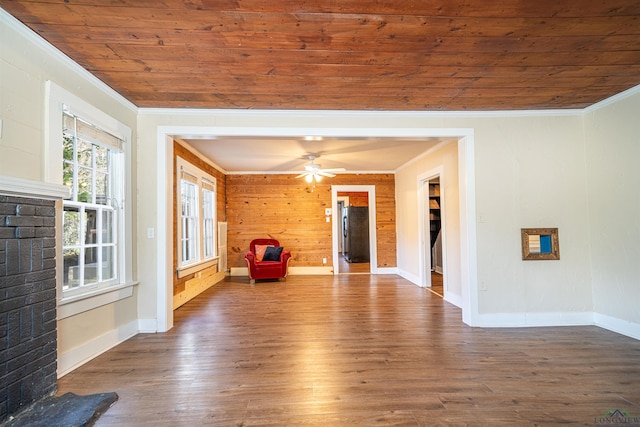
[272, 253]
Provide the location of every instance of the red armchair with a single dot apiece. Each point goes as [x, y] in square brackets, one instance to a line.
[266, 260]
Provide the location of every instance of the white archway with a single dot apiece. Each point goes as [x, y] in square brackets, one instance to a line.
[466, 162]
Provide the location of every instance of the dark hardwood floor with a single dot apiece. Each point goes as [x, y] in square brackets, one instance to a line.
[356, 350]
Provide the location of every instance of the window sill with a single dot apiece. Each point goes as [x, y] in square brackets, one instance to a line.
[194, 268]
[70, 306]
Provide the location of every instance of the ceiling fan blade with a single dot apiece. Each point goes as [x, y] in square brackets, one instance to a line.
[325, 173]
[302, 174]
[334, 170]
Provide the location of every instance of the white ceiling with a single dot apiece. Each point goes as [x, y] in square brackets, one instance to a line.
[240, 154]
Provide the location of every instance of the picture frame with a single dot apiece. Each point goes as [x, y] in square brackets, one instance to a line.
[540, 244]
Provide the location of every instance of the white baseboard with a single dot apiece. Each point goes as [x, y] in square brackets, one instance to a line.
[386, 270]
[620, 326]
[147, 326]
[78, 356]
[299, 271]
[238, 271]
[453, 299]
[514, 320]
[310, 271]
[410, 277]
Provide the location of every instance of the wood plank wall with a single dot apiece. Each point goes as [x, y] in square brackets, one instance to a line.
[187, 287]
[293, 211]
[355, 198]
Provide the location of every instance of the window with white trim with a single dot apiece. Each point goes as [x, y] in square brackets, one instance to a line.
[93, 161]
[208, 218]
[90, 151]
[196, 231]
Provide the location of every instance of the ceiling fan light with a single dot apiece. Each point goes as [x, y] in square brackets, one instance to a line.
[308, 178]
[317, 177]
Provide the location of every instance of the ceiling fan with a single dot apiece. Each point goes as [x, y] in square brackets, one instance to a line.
[313, 172]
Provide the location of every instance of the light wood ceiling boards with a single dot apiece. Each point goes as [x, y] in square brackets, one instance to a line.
[349, 55]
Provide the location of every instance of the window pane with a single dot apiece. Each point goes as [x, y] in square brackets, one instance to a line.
[102, 158]
[90, 265]
[71, 271]
[85, 153]
[91, 221]
[67, 148]
[189, 236]
[208, 238]
[189, 229]
[108, 263]
[71, 226]
[85, 185]
[67, 175]
[102, 188]
[207, 222]
[107, 226]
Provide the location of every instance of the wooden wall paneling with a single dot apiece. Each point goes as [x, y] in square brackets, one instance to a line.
[185, 288]
[355, 198]
[292, 211]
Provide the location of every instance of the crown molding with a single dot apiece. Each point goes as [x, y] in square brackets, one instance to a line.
[380, 172]
[200, 156]
[355, 113]
[613, 99]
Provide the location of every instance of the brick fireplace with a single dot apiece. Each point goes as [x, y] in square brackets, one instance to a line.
[28, 341]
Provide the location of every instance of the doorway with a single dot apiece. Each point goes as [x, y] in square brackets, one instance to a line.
[432, 231]
[354, 252]
[435, 237]
[339, 193]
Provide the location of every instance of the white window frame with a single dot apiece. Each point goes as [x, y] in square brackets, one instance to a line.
[59, 100]
[114, 194]
[186, 175]
[209, 223]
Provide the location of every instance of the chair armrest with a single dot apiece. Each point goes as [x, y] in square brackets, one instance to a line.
[250, 256]
[284, 256]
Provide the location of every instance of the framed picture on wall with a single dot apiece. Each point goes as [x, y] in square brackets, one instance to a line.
[540, 244]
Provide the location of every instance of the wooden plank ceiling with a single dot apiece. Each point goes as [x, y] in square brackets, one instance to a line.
[349, 54]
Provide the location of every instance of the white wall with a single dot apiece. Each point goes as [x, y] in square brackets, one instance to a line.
[529, 172]
[407, 216]
[26, 63]
[612, 135]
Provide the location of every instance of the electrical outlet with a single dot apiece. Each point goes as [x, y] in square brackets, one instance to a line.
[151, 233]
[324, 260]
[483, 285]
